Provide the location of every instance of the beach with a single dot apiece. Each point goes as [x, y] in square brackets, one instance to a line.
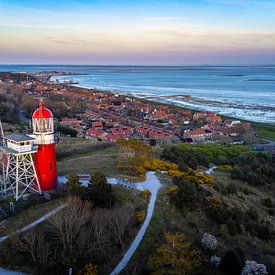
[244, 92]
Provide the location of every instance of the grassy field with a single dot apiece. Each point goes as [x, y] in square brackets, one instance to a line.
[83, 156]
[266, 131]
[21, 219]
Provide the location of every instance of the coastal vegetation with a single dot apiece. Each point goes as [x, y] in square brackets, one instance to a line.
[97, 224]
[195, 155]
[226, 214]
[238, 212]
[255, 169]
[264, 130]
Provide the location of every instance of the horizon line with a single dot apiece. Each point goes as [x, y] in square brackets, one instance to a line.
[135, 65]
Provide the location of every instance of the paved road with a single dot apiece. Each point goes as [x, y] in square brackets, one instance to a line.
[153, 184]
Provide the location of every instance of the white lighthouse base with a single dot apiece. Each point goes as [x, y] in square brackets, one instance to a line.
[18, 174]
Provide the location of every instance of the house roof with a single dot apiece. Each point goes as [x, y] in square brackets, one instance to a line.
[17, 137]
[196, 132]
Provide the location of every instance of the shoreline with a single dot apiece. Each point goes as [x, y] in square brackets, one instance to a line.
[262, 129]
[189, 102]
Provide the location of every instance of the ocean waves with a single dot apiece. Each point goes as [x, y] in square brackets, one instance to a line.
[212, 89]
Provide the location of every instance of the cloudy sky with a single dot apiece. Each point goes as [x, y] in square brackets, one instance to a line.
[156, 32]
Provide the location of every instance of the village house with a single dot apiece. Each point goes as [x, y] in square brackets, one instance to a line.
[238, 130]
[94, 134]
[112, 138]
[92, 115]
[156, 134]
[230, 123]
[142, 131]
[74, 123]
[157, 115]
[97, 125]
[122, 131]
[213, 118]
[198, 135]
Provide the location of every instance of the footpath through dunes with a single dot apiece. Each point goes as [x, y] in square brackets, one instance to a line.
[24, 229]
[153, 184]
[33, 224]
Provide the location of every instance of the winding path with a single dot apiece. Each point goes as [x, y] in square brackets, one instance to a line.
[31, 225]
[153, 184]
[4, 271]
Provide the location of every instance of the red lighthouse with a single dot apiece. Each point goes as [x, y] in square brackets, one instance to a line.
[44, 158]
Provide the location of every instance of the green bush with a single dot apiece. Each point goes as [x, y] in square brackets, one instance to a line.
[187, 193]
[267, 202]
[202, 154]
[232, 262]
[255, 169]
[231, 189]
[223, 230]
[66, 130]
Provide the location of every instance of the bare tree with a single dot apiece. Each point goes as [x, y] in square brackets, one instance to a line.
[99, 230]
[69, 226]
[35, 244]
[120, 219]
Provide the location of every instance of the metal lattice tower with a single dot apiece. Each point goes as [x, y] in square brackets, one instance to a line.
[17, 166]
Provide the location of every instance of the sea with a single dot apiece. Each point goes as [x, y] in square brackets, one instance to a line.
[245, 92]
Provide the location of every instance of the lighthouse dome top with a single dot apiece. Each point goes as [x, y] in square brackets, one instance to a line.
[42, 112]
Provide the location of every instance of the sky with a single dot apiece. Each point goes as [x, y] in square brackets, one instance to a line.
[140, 32]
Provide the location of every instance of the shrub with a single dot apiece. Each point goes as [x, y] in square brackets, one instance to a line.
[159, 165]
[224, 168]
[252, 214]
[146, 194]
[185, 194]
[262, 231]
[231, 189]
[271, 212]
[252, 224]
[252, 268]
[66, 130]
[140, 216]
[213, 202]
[202, 154]
[267, 202]
[89, 269]
[255, 169]
[215, 260]
[209, 242]
[231, 263]
[223, 230]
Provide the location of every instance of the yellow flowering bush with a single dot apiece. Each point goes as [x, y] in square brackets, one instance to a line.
[89, 269]
[146, 194]
[159, 165]
[224, 168]
[172, 190]
[175, 173]
[213, 202]
[140, 216]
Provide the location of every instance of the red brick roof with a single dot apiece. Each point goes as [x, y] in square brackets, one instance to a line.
[95, 133]
[196, 132]
[158, 134]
